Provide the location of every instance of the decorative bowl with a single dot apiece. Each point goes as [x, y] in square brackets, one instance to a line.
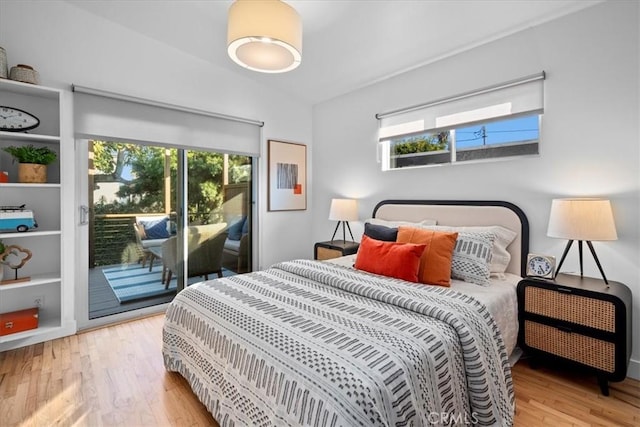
[24, 73]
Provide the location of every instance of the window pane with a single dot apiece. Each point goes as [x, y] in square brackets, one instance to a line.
[493, 139]
[134, 255]
[419, 150]
[503, 138]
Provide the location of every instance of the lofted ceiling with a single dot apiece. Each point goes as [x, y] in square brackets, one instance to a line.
[347, 44]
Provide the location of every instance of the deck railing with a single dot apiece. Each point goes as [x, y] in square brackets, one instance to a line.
[113, 240]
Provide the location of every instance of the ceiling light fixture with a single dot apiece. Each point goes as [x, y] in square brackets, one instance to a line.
[264, 35]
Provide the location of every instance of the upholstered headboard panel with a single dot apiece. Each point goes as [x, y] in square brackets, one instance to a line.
[465, 213]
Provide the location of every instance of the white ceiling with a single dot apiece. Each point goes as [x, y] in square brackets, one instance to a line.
[347, 44]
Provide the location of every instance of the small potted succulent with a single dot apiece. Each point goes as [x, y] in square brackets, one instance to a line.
[32, 161]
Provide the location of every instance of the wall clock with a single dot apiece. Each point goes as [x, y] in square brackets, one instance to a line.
[541, 266]
[16, 120]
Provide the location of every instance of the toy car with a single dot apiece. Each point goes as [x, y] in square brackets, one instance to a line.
[16, 218]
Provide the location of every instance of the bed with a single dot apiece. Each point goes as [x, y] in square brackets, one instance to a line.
[324, 344]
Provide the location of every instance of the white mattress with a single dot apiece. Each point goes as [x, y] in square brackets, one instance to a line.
[499, 298]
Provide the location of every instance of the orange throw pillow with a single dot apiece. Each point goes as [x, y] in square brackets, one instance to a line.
[435, 263]
[390, 259]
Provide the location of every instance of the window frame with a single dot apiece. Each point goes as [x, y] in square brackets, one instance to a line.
[452, 152]
[512, 100]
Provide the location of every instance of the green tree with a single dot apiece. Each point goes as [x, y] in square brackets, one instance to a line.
[142, 189]
[421, 143]
[109, 159]
[204, 186]
[146, 189]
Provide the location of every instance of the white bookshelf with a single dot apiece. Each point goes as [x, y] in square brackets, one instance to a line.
[48, 281]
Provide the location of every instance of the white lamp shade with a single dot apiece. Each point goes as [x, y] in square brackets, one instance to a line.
[343, 210]
[582, 219]
[264, 35]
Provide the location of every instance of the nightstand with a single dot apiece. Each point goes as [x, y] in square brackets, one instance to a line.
[578, 320]
[334, 249]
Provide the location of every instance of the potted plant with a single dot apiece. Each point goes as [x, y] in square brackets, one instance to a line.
[32, 161]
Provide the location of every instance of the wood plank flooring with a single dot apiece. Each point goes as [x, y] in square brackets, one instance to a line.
[114, 376]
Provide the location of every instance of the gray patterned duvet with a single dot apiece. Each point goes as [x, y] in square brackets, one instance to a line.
[311, 343]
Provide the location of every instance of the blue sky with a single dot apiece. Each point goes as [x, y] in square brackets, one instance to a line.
[518, 129]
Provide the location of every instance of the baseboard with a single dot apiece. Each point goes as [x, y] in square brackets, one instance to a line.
[69, 328]
[123, 317]
[633, 371]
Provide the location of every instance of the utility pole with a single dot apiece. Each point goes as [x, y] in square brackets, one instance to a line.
[482, 133]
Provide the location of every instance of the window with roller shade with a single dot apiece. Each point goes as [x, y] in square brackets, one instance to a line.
[500, 121]
[168, 200]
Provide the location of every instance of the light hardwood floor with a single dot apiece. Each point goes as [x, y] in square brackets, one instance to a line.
[115, 376]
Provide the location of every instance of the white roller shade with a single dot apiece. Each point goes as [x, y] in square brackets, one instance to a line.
[111, 116]
[507, 99]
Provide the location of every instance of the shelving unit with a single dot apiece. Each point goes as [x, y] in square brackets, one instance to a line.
[50, 270]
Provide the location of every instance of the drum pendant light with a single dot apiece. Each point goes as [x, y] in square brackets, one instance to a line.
[264, 35]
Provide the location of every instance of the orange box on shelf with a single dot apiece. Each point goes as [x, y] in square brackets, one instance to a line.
[18, 321]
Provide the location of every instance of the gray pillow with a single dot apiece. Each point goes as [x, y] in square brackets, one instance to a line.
[472, 257]
[503, 237]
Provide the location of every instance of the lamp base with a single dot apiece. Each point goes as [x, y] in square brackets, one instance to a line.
[593, 252]
[344, 237]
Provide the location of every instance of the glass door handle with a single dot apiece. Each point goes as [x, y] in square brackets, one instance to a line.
[84, 215]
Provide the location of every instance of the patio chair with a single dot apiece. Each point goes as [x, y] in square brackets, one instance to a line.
[150, 236]
[205, 244]
[236, 247]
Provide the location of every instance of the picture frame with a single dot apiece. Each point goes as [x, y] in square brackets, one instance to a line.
[287, 176]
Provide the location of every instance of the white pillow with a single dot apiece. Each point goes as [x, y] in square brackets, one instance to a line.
[502, 238]
[394, 224]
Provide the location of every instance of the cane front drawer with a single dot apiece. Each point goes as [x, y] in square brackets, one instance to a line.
[579, 348]
[334, 249]
[325, 253]
[581, 310]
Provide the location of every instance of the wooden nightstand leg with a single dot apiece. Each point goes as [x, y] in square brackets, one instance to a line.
[604, 385]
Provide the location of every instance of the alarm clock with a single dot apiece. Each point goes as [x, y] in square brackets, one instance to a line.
[541, 266]
[16, 120]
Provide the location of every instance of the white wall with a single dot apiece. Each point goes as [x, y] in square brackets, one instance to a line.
[68, 45]
[589, 140]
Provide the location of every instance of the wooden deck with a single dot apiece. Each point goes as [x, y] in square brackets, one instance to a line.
[103, 302]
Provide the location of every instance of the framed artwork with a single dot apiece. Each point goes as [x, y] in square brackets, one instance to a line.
[287, 176]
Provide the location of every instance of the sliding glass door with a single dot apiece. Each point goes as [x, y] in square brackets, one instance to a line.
[152, 210]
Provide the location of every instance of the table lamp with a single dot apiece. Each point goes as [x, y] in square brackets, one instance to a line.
[582, 220]
[343, 211]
